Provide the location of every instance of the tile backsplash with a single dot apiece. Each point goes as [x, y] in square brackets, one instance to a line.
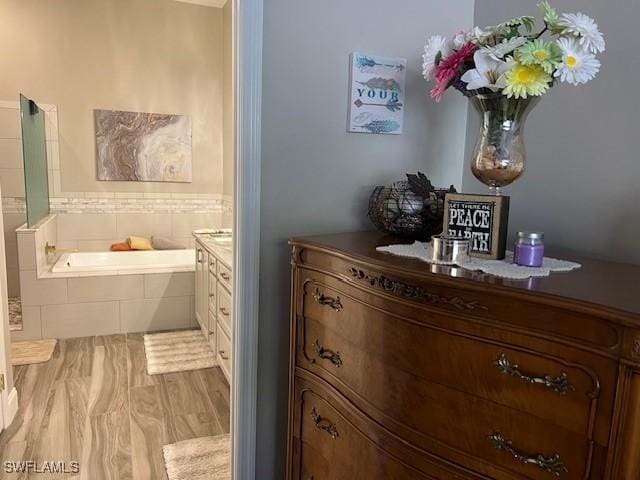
[97, 231]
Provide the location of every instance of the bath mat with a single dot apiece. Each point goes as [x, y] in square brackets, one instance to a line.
[15, 314]
[34, 351]
[201, 458]
[177, 352]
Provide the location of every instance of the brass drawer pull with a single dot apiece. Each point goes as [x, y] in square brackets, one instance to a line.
[551, 464]
[322, 299]
[326, 354]
[199, 256]
[324, 424]
[224, 311]
[223, 354]
[559, 384]
[225, 276]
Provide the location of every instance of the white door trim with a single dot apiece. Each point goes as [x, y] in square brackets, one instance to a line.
[8, 398]
[247, 34]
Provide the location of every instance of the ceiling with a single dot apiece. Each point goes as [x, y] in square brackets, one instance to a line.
[206, 3]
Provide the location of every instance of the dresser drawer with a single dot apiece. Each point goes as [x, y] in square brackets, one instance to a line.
[224, 276]
[334, 441]
[463, 297]
[407, 359]
[490, 441]
[224, 308]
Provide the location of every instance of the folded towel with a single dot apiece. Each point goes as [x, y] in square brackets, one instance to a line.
[120, 247]
[163, 243]
[139, 243]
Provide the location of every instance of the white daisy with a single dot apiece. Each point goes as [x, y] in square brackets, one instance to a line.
[459, 39]
[585, 28]
[505, 47]
[437, 48]
[489, 72]
[478, 35]
[578, 66]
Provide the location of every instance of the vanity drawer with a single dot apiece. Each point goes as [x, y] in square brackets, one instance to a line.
[482, 438]
[224, 308]
[212, 324]
[223, 351]
[212, 293]
[407, 359]
[224, 276]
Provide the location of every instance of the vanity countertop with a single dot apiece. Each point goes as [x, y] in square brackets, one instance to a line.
[220, 246]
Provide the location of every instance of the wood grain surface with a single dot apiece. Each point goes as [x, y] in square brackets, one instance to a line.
[93, 403]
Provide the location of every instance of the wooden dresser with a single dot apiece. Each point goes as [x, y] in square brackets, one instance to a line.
[403, 370]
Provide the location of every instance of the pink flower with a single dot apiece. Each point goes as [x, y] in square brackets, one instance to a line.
[449, 69]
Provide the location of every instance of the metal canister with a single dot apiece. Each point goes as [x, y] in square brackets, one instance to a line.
[450, 250]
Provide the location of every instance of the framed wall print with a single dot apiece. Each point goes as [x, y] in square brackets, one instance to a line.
[376, 99]
[483, 219]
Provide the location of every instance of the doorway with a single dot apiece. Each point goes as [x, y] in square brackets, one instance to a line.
[247, 40]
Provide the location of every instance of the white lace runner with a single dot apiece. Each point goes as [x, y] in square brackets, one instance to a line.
[500, 268]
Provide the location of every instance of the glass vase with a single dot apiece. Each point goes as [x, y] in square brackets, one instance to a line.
[499, 156]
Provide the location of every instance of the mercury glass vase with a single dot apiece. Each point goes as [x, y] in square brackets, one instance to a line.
[499, 156]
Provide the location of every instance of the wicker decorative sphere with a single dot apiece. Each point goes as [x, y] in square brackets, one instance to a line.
[397, 210]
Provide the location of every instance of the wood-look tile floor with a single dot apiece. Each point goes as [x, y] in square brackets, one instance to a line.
[94, 403]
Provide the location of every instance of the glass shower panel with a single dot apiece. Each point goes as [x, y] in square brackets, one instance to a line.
[34, 154]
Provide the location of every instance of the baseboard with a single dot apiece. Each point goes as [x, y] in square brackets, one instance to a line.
[11, 407]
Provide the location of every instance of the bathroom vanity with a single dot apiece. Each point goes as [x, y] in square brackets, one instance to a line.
[213, 286]
[402, 369]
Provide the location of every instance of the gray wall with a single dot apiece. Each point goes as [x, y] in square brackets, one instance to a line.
[581, 186]
[316, 177]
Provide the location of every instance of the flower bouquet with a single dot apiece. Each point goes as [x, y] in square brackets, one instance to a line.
[504, 70]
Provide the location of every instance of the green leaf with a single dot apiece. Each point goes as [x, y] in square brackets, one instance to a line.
[551, 16]
[526, 21]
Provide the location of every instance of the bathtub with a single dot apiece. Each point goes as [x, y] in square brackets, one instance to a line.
[84, 294]
[126, 262]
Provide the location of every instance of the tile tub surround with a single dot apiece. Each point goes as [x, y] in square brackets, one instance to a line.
[103, 305]
[79, 304]
[97, 231]
[193, 210]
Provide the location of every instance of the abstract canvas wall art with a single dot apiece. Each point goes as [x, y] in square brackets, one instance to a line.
[142, 147]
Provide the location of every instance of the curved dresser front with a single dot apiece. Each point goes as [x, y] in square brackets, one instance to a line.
[403, 370]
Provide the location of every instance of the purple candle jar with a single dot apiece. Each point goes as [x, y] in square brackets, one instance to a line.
[529, 249]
